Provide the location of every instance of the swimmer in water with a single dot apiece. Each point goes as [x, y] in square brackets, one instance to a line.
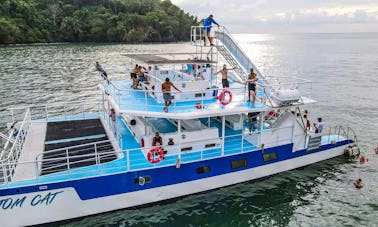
[363, 160]
[358, 183]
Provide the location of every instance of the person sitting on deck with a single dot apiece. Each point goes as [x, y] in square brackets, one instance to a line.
[358, 183]
[157, 141]
[141, 74]
[134, 72]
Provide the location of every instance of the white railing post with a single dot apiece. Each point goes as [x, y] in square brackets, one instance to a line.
[46, 114]
[68, 160]
[145, 101]
[223, 133]
[96, 155]
[128, 160]
[5, 176]
[36, 171]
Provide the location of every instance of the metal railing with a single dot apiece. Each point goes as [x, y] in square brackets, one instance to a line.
[339, 130]
[59, 111]
[266, 87]
[9, 159]
[65, 164]
[62, 164]
[224, 36]
[145, 96]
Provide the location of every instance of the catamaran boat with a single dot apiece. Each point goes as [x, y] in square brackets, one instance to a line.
[64, 161]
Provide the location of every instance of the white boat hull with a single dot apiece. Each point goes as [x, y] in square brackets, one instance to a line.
[61, 204]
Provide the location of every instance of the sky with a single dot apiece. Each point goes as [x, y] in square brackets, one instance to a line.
[287, 16]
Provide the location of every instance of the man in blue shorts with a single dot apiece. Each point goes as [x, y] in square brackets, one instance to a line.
[207, 24]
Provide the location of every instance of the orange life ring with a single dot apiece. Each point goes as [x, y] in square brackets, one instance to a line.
[222, 95]
[155, 155]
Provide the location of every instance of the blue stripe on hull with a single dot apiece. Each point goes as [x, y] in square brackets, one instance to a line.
[102, 186]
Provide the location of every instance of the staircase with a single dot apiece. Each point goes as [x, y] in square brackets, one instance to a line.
[234, 54]
[240, 72]
[229, 49]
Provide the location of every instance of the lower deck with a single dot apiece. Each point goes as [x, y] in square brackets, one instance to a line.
[129, 156]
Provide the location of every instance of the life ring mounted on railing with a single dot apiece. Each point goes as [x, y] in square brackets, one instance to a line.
[222, 97]
[155, 155]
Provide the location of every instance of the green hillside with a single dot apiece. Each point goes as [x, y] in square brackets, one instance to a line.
[131, 21]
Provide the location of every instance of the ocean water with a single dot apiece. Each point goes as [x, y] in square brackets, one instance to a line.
[343, 68]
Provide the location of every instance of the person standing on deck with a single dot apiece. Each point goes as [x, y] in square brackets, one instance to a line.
[207, 24]
[251, 81]
[166, 89]
[224, 72]
[319, 126]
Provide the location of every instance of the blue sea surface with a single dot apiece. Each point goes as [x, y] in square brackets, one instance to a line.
[343, 68]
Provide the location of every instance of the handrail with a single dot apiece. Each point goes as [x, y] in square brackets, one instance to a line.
[116, 94]
[15, 151]
[243, 59]
[98, 157]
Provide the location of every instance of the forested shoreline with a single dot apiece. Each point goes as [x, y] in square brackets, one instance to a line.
[129, 21]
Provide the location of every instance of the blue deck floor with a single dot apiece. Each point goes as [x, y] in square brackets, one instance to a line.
[132, 100]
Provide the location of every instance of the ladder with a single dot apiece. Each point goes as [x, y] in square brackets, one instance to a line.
[228, 48]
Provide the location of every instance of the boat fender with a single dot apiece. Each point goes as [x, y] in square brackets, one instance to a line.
[155, 155]
[199, 106]
[222, 97]
[170, 142]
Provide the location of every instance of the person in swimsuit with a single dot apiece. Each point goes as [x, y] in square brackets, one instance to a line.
[166, 89]
[224, 72]
[251, 81]
[358, 183]
[134, 76]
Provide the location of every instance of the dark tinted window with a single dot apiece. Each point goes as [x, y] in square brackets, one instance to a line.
[239, 163]
[270, 156]
[203, 169]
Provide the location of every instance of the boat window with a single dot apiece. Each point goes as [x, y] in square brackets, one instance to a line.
[203, 169]
[197, 95]
[147, 179]
[270, 156]
[210, 145]
[186, 149]
[239, 163]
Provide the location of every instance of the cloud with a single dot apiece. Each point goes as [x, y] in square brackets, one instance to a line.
[292, 15]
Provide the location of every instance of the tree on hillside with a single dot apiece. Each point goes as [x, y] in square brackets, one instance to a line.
[92, 21]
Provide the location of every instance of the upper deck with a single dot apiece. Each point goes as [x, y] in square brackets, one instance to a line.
[143, 102]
